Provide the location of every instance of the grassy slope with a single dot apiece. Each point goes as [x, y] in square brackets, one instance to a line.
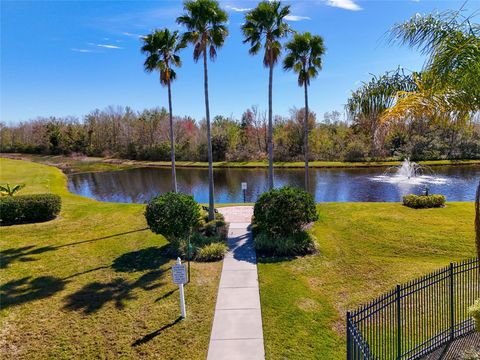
[103, 164]
[82, 286]
[365, 249]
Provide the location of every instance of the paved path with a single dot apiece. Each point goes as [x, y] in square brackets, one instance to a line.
[237, 332]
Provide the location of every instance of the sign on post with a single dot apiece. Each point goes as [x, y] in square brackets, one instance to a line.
[244, 189]
[179, 274]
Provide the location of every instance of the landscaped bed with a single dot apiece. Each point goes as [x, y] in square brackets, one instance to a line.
[93, 283]
[365, 249]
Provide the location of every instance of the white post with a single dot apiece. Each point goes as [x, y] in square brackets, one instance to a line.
[182, 295]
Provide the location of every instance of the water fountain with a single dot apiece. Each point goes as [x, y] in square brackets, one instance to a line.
[410, 173]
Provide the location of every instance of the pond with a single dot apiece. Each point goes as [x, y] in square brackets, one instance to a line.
[457, 183]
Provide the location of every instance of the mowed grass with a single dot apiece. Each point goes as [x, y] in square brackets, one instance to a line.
[94, 283]
[365, 250]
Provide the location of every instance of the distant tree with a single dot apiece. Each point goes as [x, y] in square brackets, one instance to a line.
[161, 48]
[304, 56]
[266, 23]
[206, 28]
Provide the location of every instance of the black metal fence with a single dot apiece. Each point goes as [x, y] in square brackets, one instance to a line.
[415, 318]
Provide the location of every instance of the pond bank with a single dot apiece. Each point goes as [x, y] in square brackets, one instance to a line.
[92, 164]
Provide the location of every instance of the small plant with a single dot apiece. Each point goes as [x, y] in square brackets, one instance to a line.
[8, 190]
[474, 311]
[29, 208]
[424, 201]
[301, 243]
[211, 252]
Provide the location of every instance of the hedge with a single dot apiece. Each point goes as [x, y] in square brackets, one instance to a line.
[424, 201]
[29, 208]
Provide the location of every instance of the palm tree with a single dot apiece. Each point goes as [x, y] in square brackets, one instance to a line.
[267, 23]
[449, 87]
[304, 56]
[10, 190]
[161, 48]
[206, 31]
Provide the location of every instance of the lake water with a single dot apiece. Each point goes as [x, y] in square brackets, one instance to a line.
[457, 183]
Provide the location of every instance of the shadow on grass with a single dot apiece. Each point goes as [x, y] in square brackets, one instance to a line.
[25, 253]
[155, 333]
[93, 296]
[24, 290]
[21, 254]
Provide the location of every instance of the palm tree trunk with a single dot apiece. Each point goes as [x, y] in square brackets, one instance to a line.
[211, 204]
[172, 140]
[477, 219]
[305, 137]
[270, 129]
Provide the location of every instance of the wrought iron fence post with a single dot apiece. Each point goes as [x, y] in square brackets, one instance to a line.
[452, 305]
[349, 338]
[399, 324]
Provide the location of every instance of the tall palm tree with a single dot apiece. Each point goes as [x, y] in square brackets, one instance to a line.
[206, 31]
[267, 23]
[161, 48]
[304, 56]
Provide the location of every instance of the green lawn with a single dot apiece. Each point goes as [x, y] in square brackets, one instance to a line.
[104, 164]
[94, 283]
[365, 249]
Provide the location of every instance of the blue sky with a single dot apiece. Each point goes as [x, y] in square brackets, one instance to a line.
[63, 58]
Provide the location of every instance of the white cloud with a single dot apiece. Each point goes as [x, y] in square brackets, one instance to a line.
[344, 4]
[296, 18]
[107, 46]
[236, 9]
[81, 50]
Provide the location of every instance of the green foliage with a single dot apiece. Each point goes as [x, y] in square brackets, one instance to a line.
[424, 202]
[29, 208]
[474, 312]
[211, 252]
[173, 215]
[10, 190]
[300, 243]
[283, 212]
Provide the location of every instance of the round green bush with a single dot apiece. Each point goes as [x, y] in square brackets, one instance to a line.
[29, 208]
[424, 201]
[211, 252]
[173, 215]
[284, 212]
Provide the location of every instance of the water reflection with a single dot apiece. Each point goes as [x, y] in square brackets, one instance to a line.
[340, 185]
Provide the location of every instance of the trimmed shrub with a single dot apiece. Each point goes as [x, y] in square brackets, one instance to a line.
[424, 201]
[474, 312]
[211, 252]
[284, 212]
[301, 243]
[173, 215]
[29, 208]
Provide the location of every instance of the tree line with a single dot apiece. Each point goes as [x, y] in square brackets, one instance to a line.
[144, 135]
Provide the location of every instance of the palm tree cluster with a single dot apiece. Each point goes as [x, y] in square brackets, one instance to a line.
[206, 30]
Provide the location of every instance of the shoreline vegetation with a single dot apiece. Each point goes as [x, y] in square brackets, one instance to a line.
[72, 164]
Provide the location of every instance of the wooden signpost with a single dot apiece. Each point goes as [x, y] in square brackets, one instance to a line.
[179, 274]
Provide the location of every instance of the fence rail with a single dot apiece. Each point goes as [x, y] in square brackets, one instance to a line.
[415, 318]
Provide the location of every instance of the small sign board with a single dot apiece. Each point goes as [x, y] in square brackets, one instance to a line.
[244, 186]
[179, 273]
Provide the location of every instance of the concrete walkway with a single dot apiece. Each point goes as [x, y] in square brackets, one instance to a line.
[237, 332]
